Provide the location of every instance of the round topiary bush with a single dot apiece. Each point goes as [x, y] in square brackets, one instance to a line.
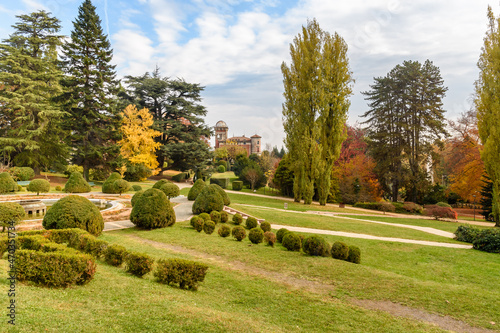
[136, 197]
[239, 233]
[443, 204]
[316, 246]
[192, 220]
[224, 216]
[354, 255]
[291, 241]
[10, 214]
[196, 189]
[204, 216]
[109, 185]
[209, 227]
[58, 188]
[256, 235]
[171, 190]
[39, 186]
[121, 186]
[280, 234]
[215, 216]
[198, 224]
[251, 222]
[115, 255]
[221, 169]
[76, 184]
[222, 193]
[269, 238]
[224, 230]
[74, 211]
[266, 226]
[152, 210]
[237, 219]
[208, 200]
[340, 250]
[22, 173]
[160, 183]
[7, 184]
[136, 188]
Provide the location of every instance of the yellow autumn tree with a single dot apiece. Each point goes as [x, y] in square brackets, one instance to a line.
[138, 145]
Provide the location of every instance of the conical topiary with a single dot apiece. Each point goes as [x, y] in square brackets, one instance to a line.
[208, 200]
[222, 193]
[109, 184]
[7, 183]
[76, 184]
[196, 189]
[152, 210]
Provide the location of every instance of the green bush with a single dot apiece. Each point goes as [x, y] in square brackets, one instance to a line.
[136, 188]
[39, 186]
[239, 233]
[115, 255]
[205, 216]
[76, 184]
[413, 208]
[121, 186]
[137, 173]
[440, 212]
[138, 264]
[222, 182]
[70, 236]
[180, 176]
[221, 169]
[208, 200]
[443, 204]
[237, 219]
[171, 190]
[196, 189]
[340, 250]
[54, 269]
[354, 254]
[223, 194]
[224, 230]
[251, 222]
[99, 174]
[73, 168]
[160, 183]
[184, 272]
[256, 235]
[316, 246]
[20, 188]
[10, 214]
[198, 224]
[7, 184]
[58, 188]
[280, 234]
[237, 185]
[193, 220]
[269, 238]
[381, 206]
[291, 241]
[467, 233]
[31, 242]
[91, 245]
[488, 240]
[109, 185]
[266, 226]
[152, 210]
[74, 211]
[215, 216]
[209, 227]
[22, 173]
[136, 197]
[224, 216]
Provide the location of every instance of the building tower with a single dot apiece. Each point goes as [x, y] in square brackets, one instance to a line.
[256, 141]
[220, 133]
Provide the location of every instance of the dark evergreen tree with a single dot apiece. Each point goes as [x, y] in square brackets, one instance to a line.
[487, 198]
[91, 101]
[30, 120]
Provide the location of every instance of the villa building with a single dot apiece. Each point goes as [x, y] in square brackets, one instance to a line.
[251, 145]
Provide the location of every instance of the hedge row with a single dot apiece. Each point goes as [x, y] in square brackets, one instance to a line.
[222, 182]
[487, 240]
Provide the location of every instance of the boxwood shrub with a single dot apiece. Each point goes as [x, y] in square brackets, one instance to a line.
[208, 200]
[224, 230]
[76, 184]
[160, 183]
[488, 240]
[223, 194]
[280, 234]
[136, 197]
[138, 264]
[7, 184]
[215, 216]
[152, 210]
[237, 219]
[109, 185]
[239, 233]
[237, 185]
[171, 190]
[266, 226]
[251, 222]
[467, 233]
[198, 224]
[121, 186]
[180, 176]
[186, 273]
[39, 186]
[222, 182]
[196, 189]
[136, 188]
[221, 169]
[256, 235]
[115, 255]
[209, 227]
[269, 238]
[340, 250]
[10, 212]
[224, 216]
[316, 246]
[205, 216]
[354, 254]
[22, 173]
[291, 241]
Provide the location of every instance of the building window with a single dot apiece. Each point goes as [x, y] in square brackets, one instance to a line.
[257, 141]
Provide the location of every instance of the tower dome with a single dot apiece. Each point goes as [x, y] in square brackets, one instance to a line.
[221, 124]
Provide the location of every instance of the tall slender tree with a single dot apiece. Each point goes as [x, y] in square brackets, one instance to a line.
[30, 120]
[94, 118]
[487, 102]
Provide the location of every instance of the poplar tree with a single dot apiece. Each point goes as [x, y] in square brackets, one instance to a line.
[91, 100]
[487, 102]
[30, 120]
[317, 86]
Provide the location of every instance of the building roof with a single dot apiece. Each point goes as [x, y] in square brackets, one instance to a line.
[221, 123]
[256, 136]
[238, 138]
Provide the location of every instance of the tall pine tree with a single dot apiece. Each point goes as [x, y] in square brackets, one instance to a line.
[30, 120]
[91, 101]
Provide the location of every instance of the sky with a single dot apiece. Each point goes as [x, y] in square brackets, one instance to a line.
[235, 48]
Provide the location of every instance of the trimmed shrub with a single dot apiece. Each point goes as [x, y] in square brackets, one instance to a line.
[115, 255]
[381, 206]
[239, 233]
[160, 183]
[54, 269]
[109, 185]
[221, 169]
[136, 197]
[137, 173]
[280, 234]
[443, 204]
[121, 186]
[291, 241]
[340, 250]
[208, 200]
[237, 185]
[224, 231]
[269, 238]
[354, 255]
[196, 189]
[413, 208]
[467, 233]
[138, 264]
[224, 216]
[184, 272]
[251, 222]
[488, 240]
[7, 184]
[237, 219]
[136, 188]
[316, 246]
[73, 168]
[152, 210]
[20, 188]
[91, 245]
[74, 211]
[441, 212]
[22, 173]
[387, 207]
[209, 227]
[58, 188]
[265, 226]
[171, 190]
[76, 184]
[205, 216]
[11, 212]
[223, 194]
[70, 236]
[222, 182]
[31, 242]
[193, 220]
[180, 176]
[215, 216]
[256, 235]
[198, 224]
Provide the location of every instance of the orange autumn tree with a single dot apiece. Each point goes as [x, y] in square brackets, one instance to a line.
[138, 145]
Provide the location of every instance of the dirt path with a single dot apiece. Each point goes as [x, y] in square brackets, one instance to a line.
[398, 310]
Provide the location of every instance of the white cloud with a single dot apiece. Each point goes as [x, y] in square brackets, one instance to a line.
[133, 52]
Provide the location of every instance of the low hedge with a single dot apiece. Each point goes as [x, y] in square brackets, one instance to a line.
[180, 176]
[138, 264]
[380, 206]
[467, 233]
[222, 182]
[115, 255]
[488, 240]
[186, 273]
[256, 235]
[316, 246]
[237, 185]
